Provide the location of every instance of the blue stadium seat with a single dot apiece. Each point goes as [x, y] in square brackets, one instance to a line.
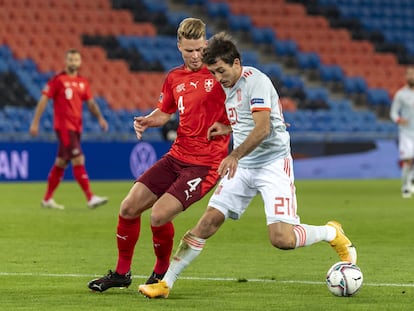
[285, 47]
[378, 97]
[272, 70]
[317, 93]
[4, 67]
[292, 81]
[156, 6]
[264, 35]
[331, 73]
[250, 58]
[240, 23]
[174, 18]
[353, 85]
[308, 60]
[218, 10]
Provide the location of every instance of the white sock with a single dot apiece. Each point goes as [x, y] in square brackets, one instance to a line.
[190, 247]
[308, 234]
[406, 177]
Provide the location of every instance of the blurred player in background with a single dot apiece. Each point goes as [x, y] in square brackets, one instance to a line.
[187, 172]
[68, 90]
[259, 163]
[402, 113]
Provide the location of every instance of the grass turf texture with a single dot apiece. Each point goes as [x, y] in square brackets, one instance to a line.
[48, 256]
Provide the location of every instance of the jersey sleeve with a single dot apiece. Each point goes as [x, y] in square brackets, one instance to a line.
[166, 102]
[87, 95]
[50, 88]
[395, 107]
[260, 90]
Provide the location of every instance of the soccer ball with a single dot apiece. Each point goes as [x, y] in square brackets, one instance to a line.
[344, 279]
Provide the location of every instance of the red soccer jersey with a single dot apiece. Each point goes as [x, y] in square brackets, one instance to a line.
[68, 94]
[199, 99]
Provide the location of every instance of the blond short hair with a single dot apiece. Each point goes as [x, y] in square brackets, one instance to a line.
[191, 28]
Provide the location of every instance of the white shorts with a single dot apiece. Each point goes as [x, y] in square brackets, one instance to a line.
[275, 183]
[406, 146]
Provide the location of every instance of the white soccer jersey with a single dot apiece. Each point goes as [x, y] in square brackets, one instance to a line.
[403, 107]
[253, 92]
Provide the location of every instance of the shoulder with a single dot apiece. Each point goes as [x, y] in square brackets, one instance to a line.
[59, 76]
[176, 71]
[402, 92]
[255, 77]
[253, 74]
[81, 78]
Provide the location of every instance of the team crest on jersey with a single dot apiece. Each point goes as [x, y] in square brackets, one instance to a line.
[180, 88]
[82, 85]
[208, 84]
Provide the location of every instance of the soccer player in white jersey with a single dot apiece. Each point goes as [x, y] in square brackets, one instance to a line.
[260, 162]
[402, 113]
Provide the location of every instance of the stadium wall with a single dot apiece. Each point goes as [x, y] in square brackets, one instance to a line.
[31, 161]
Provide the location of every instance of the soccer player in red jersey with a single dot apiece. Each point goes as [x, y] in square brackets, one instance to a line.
[68, 90]
[187, 172]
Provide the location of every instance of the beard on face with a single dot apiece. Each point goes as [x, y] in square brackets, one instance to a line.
[72, 68]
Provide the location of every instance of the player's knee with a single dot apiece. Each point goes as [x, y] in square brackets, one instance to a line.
[128, 209]
[158, 219]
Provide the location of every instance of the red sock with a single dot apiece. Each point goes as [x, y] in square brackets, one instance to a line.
[163, 239]
[127, 235]
[53, 180]
[81, 176]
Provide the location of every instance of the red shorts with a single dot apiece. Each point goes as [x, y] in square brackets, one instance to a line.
[186, 182]
[69, 144]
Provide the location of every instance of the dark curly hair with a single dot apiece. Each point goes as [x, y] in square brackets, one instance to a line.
[220, 46]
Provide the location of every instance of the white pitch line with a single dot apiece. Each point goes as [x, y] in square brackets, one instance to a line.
[72, 275]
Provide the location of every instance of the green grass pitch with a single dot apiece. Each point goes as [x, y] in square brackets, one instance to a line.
[48, 256]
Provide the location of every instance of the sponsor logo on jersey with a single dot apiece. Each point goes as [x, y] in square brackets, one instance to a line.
[256, 101]
[208, 84]
[194, 84]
